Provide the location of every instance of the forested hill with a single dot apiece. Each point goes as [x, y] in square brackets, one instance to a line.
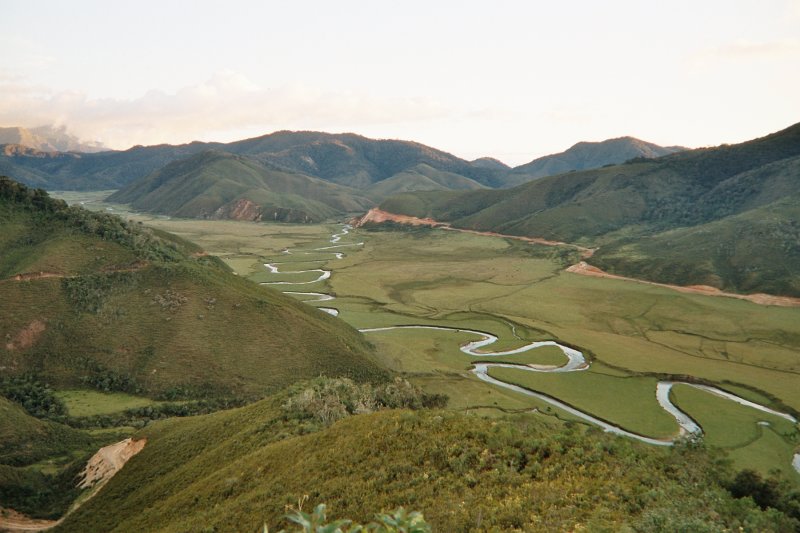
[588, 155]
[725, 216]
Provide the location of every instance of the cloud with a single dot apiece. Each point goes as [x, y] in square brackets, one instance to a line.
[224, 105]
[753, 50]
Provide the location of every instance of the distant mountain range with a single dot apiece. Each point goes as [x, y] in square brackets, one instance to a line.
[725, 217]
[285, 175]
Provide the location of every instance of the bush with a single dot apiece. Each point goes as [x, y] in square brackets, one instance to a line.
[37, 399]
[398, 522]
[327, 400]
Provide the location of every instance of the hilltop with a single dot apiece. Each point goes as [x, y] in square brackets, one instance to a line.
[724, 217]
[345, 159]
[89, 300]
[215, 184]
[588, 155]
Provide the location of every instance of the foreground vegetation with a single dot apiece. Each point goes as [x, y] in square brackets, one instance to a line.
[235, 470]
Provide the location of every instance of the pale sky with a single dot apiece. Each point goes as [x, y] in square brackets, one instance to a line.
[509, 79]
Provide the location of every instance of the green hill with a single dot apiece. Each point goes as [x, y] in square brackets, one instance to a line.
[755, 251]
[89, 300]
[588, 155]
[620, 208]
[353, 160]
[216, 184]
[346, 159]
[236, 470]
[420, 178]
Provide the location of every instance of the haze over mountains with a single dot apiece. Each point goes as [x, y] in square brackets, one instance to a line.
[48, 139]
[373, 169]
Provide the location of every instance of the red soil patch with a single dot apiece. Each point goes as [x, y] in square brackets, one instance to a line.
[377, 216]
[108, 461]
[585, 269]
[13, 522]
[36, 275]
[30, 276]
[27, 336]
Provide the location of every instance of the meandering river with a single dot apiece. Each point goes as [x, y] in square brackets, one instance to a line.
[575, 362]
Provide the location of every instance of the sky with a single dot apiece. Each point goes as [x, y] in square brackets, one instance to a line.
[512, 80]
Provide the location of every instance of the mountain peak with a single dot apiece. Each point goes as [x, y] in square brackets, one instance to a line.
[587, 155]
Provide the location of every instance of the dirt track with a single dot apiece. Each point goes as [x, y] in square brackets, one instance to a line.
[29, 276]
[377, 216]
[583, 268]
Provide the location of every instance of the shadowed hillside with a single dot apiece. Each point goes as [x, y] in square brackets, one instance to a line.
[215, 184]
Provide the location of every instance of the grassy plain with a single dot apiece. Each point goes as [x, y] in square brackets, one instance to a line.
[81, 403]
[634, 333]
[629, 402]
[753, 438]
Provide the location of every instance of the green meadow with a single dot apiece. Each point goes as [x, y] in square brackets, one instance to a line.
[80, 403]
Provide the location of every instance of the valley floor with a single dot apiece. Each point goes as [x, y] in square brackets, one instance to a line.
[633, 334]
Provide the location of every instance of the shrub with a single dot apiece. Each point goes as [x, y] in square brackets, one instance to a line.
[37, 399]
[326, 400]
[398, 522]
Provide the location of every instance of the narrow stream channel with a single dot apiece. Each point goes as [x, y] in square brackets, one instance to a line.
[575, 362]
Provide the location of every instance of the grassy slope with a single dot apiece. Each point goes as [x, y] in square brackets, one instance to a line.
[186, 323]
[587, 155]
[420, 178]
[234, 470]
[755, 251]
[628, 204]
[25, 440]
[202, 184]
